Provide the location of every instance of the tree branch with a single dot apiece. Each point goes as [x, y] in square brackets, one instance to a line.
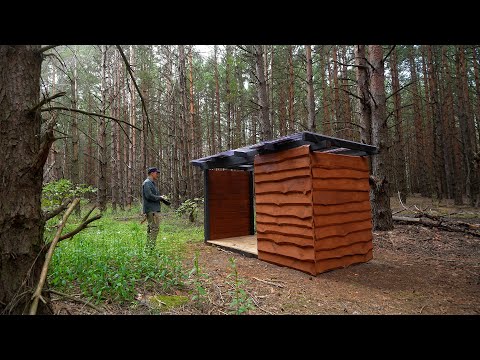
[388, 54]
[79, 228]
[50, 214]
[354, 65]
[245, 49]
[350, 93]
[37, 295]
[48, 99]
[91, 114]
[75, 299]
[403, 87]
[127, 65]
[45, 48]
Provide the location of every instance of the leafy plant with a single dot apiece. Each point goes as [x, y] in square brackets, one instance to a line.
[55, 192]
[108, 262]
[190, 207]
[241, 302]
[197, 280]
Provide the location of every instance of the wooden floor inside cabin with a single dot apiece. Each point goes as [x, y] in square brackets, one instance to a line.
[243, 244]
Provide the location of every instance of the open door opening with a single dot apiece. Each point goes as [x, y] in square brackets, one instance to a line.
[230, 210]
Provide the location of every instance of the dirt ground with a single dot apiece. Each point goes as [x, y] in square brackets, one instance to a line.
[414, 270]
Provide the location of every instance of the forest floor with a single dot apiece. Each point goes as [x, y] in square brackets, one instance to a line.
[414, 270]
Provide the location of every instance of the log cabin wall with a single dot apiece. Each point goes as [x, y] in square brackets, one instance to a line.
[284, 212]
[229, 203]
[341, 208]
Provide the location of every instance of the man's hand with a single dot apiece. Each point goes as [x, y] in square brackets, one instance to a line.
[165, 201]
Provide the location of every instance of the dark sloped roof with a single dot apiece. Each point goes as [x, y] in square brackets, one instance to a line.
[242, 158]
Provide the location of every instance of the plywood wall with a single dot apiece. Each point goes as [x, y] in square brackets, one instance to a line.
[283, 194]
[228, 203]
[313, 210]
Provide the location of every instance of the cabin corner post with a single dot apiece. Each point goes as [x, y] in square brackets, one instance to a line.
[251, 205]
[206, 210]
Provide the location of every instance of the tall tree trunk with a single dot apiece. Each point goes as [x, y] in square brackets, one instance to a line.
[326, 124]
[477, 90]
[183, 121]
[428, 147]
[75, 139]
[419, 176]
[399, 146]
[363, 85]
[266, 129]
[339, 116]
[466, 129]
[453, 158]
[102, 137]
[438, 133]
[228, 99]
[382, 213]
[132, 158]
[192, 141]
[291, 93]
[347, 111]
[24, 152]
[217, 97]
[310, 94]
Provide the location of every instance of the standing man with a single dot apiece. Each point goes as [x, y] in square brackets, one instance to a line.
[151, 206]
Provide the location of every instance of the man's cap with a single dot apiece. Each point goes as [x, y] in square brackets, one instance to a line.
[152, 169]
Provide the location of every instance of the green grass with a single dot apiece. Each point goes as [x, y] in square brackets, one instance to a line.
[110, 262]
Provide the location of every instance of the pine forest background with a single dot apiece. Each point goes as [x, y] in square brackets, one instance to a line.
[201, 100]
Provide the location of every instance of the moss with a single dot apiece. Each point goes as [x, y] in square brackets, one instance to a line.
[165, 302]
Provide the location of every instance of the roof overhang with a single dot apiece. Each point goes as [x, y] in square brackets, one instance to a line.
[242, 158]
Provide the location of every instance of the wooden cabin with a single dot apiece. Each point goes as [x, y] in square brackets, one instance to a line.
[300, 201]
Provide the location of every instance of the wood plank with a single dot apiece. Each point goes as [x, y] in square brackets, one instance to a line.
[296, 163]
[290, 185]
[286, 239]
[333, 242]
[327, 220]
[228, 203]
[341, 208]
[341, 184]
[305, 266]
[289, 250]
[342, 229]
[300, 211]
[283, 175]
[335, 161]
[284, 230]
[281, 199]
[326, 197]
[325, 173]
[282, 155]
[360, 248]
[284, 220]
[330, 264]
[246, 244]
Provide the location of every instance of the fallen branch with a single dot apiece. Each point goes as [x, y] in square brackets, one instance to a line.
[50, 214]
[79, 228]
[85, 302]
[252, 296]
[37, 295]
[437, 222]
[269, 282]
